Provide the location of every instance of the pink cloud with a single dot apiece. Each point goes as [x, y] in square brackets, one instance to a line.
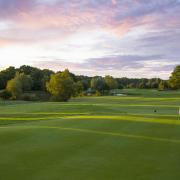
[74, 16]
[3, 42]
[41, 23]
[114, 2]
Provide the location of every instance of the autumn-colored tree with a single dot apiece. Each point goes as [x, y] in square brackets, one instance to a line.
[14, 86]
[61, 86]
[19, 84]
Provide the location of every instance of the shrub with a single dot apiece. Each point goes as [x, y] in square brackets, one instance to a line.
[29, 97]
[5, 94]
[98, 93]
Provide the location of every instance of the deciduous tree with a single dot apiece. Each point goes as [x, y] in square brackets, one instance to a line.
[174, 80]
[98, 84]
[111, 82]
[61, 86]
[14, 86]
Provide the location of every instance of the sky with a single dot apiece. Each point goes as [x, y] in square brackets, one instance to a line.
[122, 38]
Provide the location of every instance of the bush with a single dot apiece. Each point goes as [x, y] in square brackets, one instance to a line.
[29, 97]
[5, 94]
[98, 93]
[42, 95]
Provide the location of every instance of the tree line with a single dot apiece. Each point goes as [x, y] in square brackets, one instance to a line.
[19, 83]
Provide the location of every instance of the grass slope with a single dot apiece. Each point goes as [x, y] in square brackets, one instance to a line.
[92, 138]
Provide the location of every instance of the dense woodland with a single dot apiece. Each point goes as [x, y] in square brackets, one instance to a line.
[31, 83]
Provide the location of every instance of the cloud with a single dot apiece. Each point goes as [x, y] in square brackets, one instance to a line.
[72, 16]
[114, 2]
[130, 33]
[11, 8]
[118, 66]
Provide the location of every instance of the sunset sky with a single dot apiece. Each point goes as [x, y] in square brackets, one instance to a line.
[132, 38]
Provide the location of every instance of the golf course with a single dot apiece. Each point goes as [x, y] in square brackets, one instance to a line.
[131, 137]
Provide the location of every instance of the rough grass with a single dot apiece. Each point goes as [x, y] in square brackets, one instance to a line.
[92, 138]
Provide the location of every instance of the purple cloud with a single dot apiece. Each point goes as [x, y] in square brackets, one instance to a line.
[146, 31]
[131, 66]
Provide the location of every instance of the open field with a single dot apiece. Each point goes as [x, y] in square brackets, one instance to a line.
[89, 138]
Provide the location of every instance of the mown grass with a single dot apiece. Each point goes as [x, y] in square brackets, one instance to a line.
[92, 138]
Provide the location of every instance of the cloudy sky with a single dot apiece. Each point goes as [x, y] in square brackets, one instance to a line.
[133, 38]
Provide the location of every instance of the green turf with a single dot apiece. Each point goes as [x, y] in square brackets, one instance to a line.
[92, 138]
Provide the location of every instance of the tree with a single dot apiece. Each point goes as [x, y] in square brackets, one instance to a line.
[85, 81]
[6, 75]
[4, 94]
[61, 86]
[111, 82]
[36, 75]
[19, 84]
[142, 84]
[25, 80]
[163, 85]
[78, 88]
[46, 77]
[14, 86]
[174, 80]
[131, 86]
[155, 83]
[98, 84]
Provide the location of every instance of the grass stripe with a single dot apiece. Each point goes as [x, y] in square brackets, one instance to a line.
[44, 113]
[151, 115]
[122, 105]
[95, 117]
[129, 118]
[128, 97]
[28, 118]
[78, 113]
[99, 132]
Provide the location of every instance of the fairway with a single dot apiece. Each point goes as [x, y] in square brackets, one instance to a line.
[92, 138]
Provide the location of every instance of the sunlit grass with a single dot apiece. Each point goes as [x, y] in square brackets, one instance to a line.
[135, 137]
